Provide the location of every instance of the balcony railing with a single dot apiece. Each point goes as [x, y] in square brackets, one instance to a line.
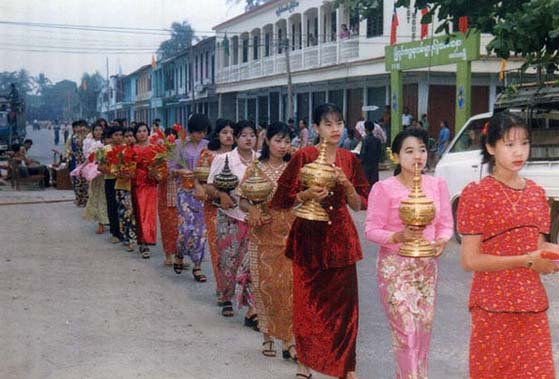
[310, 57]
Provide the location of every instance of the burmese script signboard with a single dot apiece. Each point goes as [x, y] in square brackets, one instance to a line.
[435, 51]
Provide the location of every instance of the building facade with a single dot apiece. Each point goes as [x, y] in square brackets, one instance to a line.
[333, 56]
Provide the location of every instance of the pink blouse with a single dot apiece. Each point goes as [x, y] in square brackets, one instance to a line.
[383, 216]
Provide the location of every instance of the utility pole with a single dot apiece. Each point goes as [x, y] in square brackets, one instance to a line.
[290, 110]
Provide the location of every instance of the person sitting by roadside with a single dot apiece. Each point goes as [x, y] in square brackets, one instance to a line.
[28, 166]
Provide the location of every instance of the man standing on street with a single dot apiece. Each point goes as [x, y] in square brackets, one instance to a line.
[370, 153]
[56, 133]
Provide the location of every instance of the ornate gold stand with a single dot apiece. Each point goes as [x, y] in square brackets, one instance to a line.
[417, 210]
[318, 173]
[257, 189]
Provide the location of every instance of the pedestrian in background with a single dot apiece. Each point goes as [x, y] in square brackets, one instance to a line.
[56, 132]
[504, 219]
[444, 138]
[370, 154]
[407, 286]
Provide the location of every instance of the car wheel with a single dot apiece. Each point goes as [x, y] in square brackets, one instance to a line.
[457, 235]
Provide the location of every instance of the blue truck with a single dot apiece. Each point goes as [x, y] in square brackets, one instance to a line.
[12, 122]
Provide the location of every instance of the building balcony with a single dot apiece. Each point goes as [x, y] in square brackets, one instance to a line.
[309, 57]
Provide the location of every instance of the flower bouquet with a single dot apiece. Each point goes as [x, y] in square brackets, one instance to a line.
[159, 152]
[122, 161]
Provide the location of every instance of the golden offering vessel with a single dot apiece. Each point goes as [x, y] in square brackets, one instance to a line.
[318, 173]
[225, 181]
[202, 170]
[257, 189]
[417, 210]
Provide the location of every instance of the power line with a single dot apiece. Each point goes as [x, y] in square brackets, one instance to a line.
[94, 28]
[92, 48]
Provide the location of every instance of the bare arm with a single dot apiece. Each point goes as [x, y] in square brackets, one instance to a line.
[472, 259]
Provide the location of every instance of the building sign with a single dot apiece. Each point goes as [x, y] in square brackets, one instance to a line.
[156, 103]
[369, 108]
[435, 51]
[287, 7]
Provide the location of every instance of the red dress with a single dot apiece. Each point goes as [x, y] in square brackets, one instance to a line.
[510, 335]
[325, 301]
[145, 198]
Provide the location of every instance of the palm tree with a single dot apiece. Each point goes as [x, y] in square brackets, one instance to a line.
[42, 82]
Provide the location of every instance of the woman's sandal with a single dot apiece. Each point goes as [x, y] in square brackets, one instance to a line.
[286, 354]
[270, 351]
[145, 255]
[199, 275]
[130, 248]
[227, 310]
[178, 266]
[100, 229]
[252, 321]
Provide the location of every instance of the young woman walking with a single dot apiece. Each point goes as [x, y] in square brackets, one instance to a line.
[144, 191]
[191, 228]
[220, 141]
[231, 228]
[408, 286]
[503, 220]
[324, 254]
[270, 270]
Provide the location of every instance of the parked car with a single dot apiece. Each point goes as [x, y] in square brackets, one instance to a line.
[539, 107]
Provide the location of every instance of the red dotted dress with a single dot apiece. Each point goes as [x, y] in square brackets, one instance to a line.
[510, 335]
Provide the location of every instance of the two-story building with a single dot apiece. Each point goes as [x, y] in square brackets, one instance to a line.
[333, 56]
[143, 91]
[202, 95]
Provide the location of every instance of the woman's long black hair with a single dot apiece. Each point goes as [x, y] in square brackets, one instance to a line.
[418, 133]
[497, 128]
[275, 128]
[220, 124]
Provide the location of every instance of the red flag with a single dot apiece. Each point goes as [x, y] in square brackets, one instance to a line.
[394, 26]
[424, 27]
[463, 24]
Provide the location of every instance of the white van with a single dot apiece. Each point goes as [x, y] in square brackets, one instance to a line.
[461, 163]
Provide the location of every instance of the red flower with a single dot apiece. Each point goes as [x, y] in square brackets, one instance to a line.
[153, 138]
[171, 138]
[91, 157]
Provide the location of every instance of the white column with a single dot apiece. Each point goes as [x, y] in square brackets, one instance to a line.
[280, 106]
[311, 105]
[237, 107]
[339, 14]
[365, 100]
[274, 45]
[422, 96]
[344, 110]
[269, 108]
[320, 31]
[304, 19]
[492, 91]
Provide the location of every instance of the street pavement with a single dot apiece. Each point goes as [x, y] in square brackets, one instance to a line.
[72, 305]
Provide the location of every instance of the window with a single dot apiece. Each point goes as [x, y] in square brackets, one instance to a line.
[267, 44]
[196, 69]
[180, 76]
[375, 23]
[470, 139]
[292, 36]
[255, 46]
[245, 50]
[213, 68]
[333, 31]
[207, 65]
[280, 41]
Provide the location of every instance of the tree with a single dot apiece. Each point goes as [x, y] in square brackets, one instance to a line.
[527, 28]
[42, 82]
[20, 78]
[88, 92]
[182, 36]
